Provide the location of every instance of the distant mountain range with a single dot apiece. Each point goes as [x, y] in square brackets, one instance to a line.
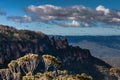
[106, 48]
[109, 41]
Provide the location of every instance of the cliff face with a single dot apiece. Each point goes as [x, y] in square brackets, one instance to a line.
[16, 43]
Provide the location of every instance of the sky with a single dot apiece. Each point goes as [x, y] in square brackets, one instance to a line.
[63, 17]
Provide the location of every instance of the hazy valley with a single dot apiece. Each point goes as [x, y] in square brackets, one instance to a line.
[106, 48]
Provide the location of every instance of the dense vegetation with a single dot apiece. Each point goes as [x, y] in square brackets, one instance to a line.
[23, 69]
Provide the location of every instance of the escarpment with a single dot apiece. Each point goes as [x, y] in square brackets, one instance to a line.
[16, 43]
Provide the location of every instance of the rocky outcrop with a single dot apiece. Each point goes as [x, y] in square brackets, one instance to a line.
[16, 43]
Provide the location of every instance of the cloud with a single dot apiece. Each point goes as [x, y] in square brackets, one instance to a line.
[73, 23]
[118, 13]
[19, 19]
[116, 19]
[44, 9]
[103, 9]
[2, 13]
[77, 14]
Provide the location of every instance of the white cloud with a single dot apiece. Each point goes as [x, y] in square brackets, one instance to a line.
[74, 23]
[32, 8]
[103, 9]
[42, 9]
[27, 18]
[116, 19]
[86, 25]
[49, 6]
[118, 13]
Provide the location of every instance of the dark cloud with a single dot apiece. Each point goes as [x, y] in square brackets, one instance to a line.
[77, 14]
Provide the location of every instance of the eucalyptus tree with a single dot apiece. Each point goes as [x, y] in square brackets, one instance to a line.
[50, 60]
[5, 74]
[15, 69]
[29, 62]
[115, 72]
[56, 64]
